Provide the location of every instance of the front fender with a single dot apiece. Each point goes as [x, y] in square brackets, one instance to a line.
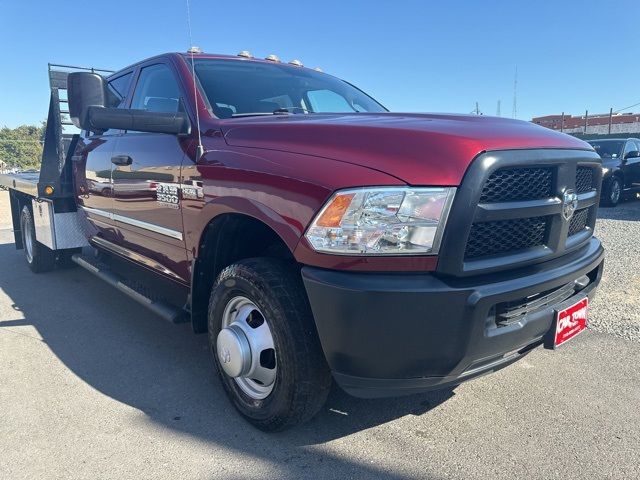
[287, 229]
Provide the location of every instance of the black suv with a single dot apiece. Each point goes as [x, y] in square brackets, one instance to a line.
[620, 167]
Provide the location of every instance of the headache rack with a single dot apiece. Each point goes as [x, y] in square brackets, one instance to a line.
[58, 145]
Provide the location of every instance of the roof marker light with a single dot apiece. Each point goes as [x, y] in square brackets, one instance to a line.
[296, 63]
[318, 69]
[245, 54]
[194, 50]
[272, 58]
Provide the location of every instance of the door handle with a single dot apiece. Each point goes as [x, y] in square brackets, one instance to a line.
[122, 160]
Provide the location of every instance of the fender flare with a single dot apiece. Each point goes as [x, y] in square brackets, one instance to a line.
[288, 232]
[216, 209]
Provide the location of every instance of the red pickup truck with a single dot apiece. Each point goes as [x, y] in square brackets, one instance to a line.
[313, 234]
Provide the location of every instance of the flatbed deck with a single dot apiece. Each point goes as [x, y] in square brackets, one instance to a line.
[22, 182]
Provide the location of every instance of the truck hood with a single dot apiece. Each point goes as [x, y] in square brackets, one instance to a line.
[419, 149]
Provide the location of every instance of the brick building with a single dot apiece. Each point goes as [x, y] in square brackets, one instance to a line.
[596, 124]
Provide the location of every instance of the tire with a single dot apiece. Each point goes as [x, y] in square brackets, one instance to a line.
[612, 192]
[39, 258]
[302, 377]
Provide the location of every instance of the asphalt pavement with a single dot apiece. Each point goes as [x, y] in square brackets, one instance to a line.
[94, 386]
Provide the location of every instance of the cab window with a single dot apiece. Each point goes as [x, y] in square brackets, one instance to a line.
[328, 101]
[630, 147]
[157, 90]
[117, 89]
[237, 88]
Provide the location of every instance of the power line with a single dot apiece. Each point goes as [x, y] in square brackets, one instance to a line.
[630, 106]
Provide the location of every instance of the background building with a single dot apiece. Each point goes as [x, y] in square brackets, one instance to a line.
[597, 124]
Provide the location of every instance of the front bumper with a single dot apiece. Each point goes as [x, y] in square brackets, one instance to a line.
[386, 334]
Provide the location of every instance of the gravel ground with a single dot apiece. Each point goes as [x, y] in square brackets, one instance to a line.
[617, 306]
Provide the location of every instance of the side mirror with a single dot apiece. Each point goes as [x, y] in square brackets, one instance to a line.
[84, 90]
[632, 154]
[101, 119]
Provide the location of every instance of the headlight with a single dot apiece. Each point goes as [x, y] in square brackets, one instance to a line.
[382, 221]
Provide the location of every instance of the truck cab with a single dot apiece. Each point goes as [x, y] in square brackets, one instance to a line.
[317, 237]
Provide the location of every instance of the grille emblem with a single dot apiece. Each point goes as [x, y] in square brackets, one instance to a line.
[569, 204]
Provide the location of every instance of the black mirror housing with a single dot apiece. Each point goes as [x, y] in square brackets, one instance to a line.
[85, 90]
[632, 154]
[101, 119]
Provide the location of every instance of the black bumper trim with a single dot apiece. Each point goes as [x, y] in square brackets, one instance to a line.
[384, 387]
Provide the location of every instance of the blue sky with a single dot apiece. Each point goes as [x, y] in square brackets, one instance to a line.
[411, 55]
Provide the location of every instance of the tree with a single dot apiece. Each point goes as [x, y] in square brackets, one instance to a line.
[22, 146]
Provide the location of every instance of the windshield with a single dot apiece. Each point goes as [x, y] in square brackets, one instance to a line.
[608, 148]
[241, 88]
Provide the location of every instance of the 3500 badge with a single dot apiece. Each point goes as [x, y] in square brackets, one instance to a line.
[168, 195]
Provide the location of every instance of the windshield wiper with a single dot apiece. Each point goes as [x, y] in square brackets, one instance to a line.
[279, 111]
[289, 110]
[250, 114]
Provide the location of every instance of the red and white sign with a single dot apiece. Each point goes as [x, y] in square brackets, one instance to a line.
[571, 321]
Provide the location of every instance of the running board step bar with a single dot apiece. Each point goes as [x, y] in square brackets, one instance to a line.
[161, 308]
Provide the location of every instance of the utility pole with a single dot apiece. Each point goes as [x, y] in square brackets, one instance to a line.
[498, 109]
[515, 94]
[477, 110]
[586, 120]
[610, 119]
[562, 123]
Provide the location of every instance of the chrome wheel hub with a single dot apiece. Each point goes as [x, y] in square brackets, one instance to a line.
[234, 351]
[245, 348]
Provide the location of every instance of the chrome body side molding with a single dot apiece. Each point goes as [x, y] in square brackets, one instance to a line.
[136, 223]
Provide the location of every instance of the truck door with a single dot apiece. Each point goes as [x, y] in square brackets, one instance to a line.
[631, 165]
[145, 170]
[93, 172]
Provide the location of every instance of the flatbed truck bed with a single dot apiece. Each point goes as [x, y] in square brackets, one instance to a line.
[26, 183]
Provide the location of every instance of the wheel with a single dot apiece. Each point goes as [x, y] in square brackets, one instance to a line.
[612, 192]
[39, 258]
[265, 345]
